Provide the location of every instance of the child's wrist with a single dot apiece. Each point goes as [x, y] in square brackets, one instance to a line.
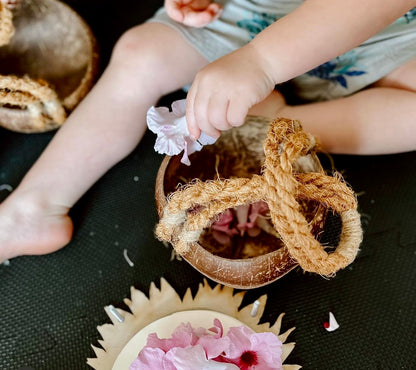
[268, 64]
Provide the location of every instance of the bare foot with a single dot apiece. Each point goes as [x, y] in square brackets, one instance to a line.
[271, 107]
[31, 226]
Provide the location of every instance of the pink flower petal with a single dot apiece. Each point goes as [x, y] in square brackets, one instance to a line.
[269, 349]
[179, 107]
[257, 209]
[193, 358]
[170, 145]
[183, 336]
[221, 237]
[240, 341]
[149, 359]
[263, 349]
[253, 231]
[205, 139]
[157, 118]
[217, 329]
[213, 347]
[172, 131]
[225, 218]
[242, 213]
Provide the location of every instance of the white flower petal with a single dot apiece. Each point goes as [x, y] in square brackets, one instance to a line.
[172, 131]
[158, 117]
[181, 127]
[169, 145]
[192, 358]
[179, 107]
[205, 139]
[192, 145]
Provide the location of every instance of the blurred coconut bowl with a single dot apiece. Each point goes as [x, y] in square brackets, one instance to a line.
[237, 153]
[46, 68]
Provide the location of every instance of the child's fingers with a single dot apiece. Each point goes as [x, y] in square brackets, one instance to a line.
[217, 113]
[193, 13]
[174, 10]
[236, 113]
[200, 110]
[193, 128]
[200, 18]
[197, 114]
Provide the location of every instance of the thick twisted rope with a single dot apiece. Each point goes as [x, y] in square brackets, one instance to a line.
[41, 100]
[6, 25]
[191, 209]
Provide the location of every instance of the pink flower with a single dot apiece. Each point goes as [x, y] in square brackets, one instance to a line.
[190, 349]
[214, 345]
[151, 359]
[253, 351]
[193, 358]
[183, 336]
[240, 221]
[172, 131]
[223, 230]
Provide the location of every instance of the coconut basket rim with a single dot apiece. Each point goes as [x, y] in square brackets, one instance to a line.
[251, 271]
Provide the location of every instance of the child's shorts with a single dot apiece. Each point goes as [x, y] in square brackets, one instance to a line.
[242, 20]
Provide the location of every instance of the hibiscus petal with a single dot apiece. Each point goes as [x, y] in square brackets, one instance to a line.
[214, 347]
[225, 218]
[217, 329]
[192, 358]
[169, 145]
[148, 359]
[239, 341]
[242, 213]
[253, 231]
[157, 117]
[221, 237]
[205, 139]
[257, 209]
[172, 131]
[179, 107]
[183, 336]
[269, 350]
[185, 158]
[193, 146]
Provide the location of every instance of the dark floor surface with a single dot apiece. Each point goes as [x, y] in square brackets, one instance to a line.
[50, 305]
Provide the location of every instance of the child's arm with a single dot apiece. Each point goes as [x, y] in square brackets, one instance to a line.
[314, 33]
[193, 13]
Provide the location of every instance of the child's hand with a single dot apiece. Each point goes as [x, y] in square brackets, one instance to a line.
[224, 91]
[194, 13]
[11, 3]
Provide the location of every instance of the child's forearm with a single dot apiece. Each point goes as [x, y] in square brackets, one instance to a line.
[320, 30]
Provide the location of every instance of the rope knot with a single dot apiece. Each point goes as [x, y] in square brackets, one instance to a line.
[285, 181]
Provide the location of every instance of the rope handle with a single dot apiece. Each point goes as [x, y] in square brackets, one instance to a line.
[6, 24]
[35, 96]
[281, 188]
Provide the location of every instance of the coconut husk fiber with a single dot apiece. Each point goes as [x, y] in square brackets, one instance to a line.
[274, 162]
[48, 63]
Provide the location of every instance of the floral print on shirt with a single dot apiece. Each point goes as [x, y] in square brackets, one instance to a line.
[410, 15]
[257, 23]
[338, 70]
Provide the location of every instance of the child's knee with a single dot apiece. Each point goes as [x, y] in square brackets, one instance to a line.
[127, 48]
[137, 50]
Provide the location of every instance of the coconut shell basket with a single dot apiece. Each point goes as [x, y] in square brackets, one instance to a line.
[48, 62]
[274, 162]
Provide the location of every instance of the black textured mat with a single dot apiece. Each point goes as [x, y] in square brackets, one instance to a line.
[50, 305]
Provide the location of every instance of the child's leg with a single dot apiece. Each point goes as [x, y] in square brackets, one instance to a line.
[380, 119]
[105, 128]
